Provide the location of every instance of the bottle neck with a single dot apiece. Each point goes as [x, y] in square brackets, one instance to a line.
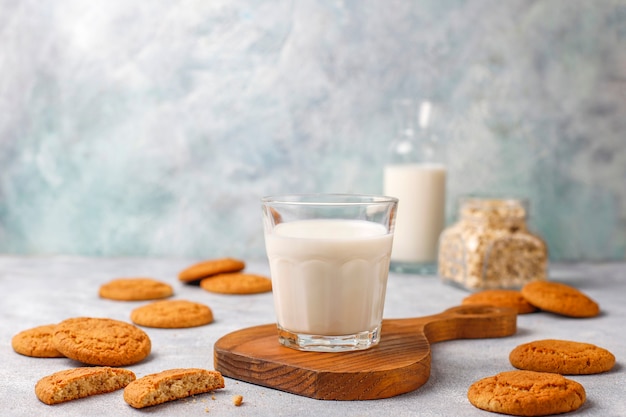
[414, 140]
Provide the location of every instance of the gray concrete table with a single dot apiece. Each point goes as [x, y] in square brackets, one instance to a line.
[41, 290]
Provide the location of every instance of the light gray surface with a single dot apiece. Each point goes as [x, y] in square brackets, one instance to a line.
[37, 291]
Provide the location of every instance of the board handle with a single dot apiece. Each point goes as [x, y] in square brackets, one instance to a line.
[466, 322]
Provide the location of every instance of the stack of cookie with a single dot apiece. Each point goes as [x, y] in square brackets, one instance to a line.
[225, 276]
[538, 387]
[546, 296]
[106, 344]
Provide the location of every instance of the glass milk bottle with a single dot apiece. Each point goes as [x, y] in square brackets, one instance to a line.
[415, 175]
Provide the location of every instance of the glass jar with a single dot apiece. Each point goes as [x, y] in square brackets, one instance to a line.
[491, 247]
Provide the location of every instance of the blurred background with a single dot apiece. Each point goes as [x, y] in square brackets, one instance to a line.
[152, 128]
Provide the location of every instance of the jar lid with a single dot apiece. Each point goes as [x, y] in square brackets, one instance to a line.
[493, 209]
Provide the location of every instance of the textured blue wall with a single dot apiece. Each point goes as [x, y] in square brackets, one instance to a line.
[152, 128]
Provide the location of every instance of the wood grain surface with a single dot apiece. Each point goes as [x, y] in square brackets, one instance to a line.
[400, 363]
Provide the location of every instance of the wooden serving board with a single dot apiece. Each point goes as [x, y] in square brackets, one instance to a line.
[400, 363]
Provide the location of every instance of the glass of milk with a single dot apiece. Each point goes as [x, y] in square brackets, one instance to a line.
[329, 260]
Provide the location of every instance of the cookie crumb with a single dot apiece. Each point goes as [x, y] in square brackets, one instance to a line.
[237, 400]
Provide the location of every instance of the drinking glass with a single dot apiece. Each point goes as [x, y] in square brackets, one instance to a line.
[329, 260]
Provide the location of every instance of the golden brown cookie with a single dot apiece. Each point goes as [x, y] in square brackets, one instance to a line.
[560, 299]
[171, 385]
[527, 393]
[501, 298]
[211, 267]
[75, 383]
[237, 283]
[172, 314]
[135, 289]
[101, 341]
[562, 357]
[36, 342]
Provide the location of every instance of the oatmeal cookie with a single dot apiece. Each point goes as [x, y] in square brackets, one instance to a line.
[527, 393]
[36, 342]
[135, 289]
[501, 298]
[562, 357]
[101, 341]
[560, 299]
[172, 314]
[75, 383]
[171, 385]
[237, 283]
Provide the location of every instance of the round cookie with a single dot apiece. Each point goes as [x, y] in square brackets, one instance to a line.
[211, 267]
[72, 384]
[501, 298]
[560, 299]
[36, 342]
[562, 357]
[171, 314]
[237, 283]
[527, 393]
[135, 289]
[101, 341]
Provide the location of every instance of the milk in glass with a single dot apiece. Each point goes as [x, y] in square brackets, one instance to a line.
[329, 276]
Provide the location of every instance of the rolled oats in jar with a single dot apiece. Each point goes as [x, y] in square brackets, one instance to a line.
[491, 247]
